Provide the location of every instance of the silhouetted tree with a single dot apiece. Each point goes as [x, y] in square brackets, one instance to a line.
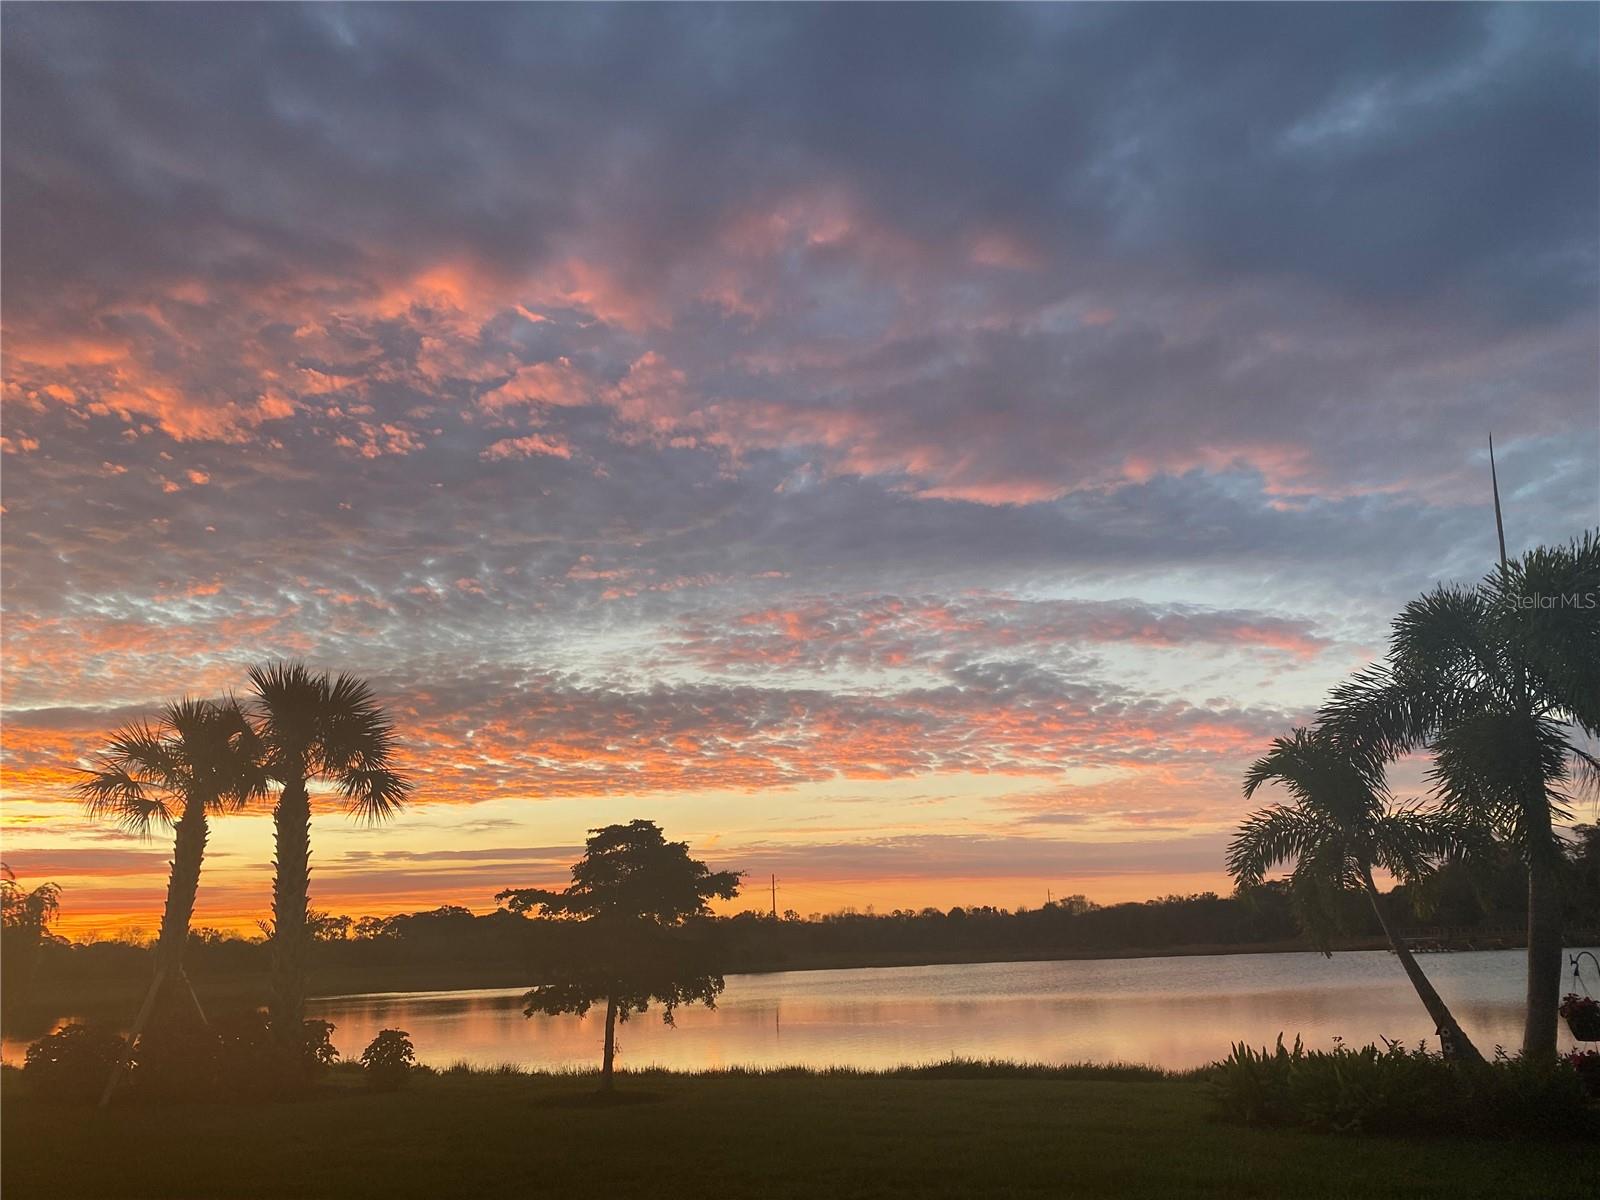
[201, 758]
[327, 927]
[1496, 681]
[1340, 824]
[313, 727]
[25, 918]
[1583, 891]
[631, 893]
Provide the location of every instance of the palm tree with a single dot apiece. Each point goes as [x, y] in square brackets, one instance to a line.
[198, 759]
[314, 728]
[1340, 825]
[1498, 682]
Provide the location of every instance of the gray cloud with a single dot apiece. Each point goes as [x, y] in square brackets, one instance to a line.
[515, 355]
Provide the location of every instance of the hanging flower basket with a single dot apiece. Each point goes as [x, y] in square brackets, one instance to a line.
[1583, 1016]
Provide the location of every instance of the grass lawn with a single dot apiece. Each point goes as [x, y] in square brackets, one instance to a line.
[739, 1135]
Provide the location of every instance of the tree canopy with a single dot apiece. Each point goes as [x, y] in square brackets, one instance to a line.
[631, 871]
[631, 894]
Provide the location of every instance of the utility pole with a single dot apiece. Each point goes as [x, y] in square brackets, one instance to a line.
[774, 897]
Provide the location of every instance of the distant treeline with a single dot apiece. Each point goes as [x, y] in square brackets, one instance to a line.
[452, 947]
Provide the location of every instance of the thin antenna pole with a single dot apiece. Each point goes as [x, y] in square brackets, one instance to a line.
[774, 895]
[1499, 521]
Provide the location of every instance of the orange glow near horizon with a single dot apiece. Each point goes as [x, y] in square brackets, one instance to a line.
[928, 520]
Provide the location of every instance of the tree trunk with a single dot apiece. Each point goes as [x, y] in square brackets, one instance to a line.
[609, 1060]
[1544, 937]
[1452, 1038]
[291, 933]
[139, 1023]
[183, 884]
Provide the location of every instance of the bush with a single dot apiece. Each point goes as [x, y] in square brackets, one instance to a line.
[232, 1058]
[73, 1064]
[1587, 1064]
[319, 1053]
[389, 1060]
[1394, 1090]
[176, 1059]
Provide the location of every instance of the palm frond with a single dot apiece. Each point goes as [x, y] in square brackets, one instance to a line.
[1547, 607]
[1315, 886]
[1491, 763]
[1446, 639]
[373, 793]
[200, 751]
[1379, 716]
[310, 726]
[112, 792]
[1270, 837]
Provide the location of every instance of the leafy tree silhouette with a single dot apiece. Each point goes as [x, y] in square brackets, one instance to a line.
[631, 894]
[25, 917]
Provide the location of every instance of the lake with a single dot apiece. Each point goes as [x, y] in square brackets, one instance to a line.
[1171, 1012]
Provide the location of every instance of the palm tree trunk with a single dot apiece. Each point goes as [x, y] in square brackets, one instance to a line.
[1452, 1038]
[291, 898]
[183, 885]
[139, 1023]
[610, 1057]
[1544, 937]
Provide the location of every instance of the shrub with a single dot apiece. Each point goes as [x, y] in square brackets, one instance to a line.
[1533, 1099]
[1394, 1090]
[318, 1046]
[389, 1060]
[1587, 1064]
[72, 1064]
[232, 1058]
[176, 1059]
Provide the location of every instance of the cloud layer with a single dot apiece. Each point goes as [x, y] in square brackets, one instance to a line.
[735, 404]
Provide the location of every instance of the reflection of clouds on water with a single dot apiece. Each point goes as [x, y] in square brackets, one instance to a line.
[1172, 1012]
[1175, 1012]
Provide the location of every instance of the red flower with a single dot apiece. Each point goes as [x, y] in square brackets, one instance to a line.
[1574, 1005]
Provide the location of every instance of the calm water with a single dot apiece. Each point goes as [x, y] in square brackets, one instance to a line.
[1171, 1012]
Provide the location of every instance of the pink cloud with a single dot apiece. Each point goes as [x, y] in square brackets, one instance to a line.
[529, 446]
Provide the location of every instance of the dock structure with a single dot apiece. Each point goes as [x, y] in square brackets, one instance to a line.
[1445, 939]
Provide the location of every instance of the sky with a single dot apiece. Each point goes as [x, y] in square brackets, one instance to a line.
[920, 453]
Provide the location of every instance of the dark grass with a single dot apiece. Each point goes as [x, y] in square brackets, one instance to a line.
[954, 1130]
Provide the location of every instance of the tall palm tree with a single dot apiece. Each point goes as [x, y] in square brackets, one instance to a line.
[314, 728]
[200, 758]
[1501, 683]
[1340, 825]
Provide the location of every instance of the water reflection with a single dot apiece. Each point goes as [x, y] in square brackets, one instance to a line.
[1175, 1012]
[1172, 1012]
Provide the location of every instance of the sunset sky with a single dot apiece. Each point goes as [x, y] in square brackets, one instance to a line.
[923, 453]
